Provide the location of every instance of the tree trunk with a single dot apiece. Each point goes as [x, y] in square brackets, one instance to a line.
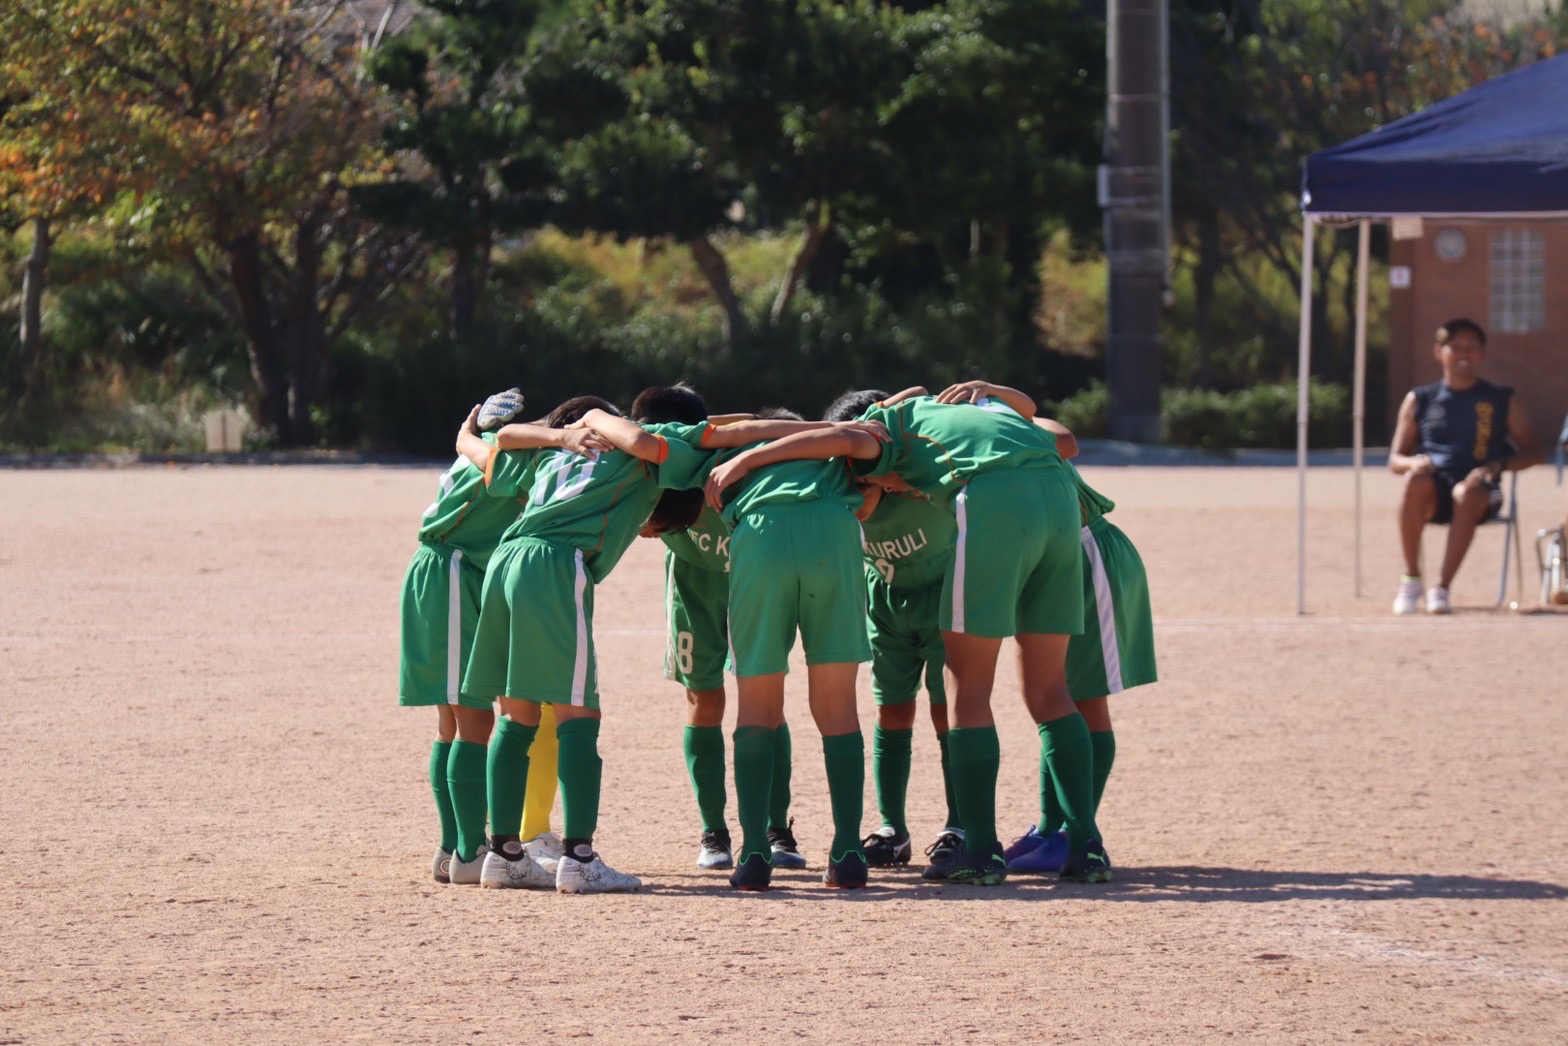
[717, 272]
[1204, 277]
[309, 353]
[266, 355]
[817, 225]
[35, 277]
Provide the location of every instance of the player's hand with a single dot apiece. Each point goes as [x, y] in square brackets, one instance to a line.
[471, 423]
[1421, 465]
[726, 475]
[500, 409]
[966, 392]
[874, 429]
[584, 441]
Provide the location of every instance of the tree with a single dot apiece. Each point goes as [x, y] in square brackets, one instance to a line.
[239, 124]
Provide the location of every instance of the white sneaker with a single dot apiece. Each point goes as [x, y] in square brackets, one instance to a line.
[440, 866]
[1408, 601]
[546, 849]
[1437, 600]
[518, 873]
[466, 873]
[574, 876]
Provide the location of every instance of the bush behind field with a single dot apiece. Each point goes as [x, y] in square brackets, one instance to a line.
[1263, 416]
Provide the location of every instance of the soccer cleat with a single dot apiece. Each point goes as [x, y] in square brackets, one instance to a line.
[1030, 840]
[1047, 857]
[987, 869]
[754, 873]
[714, 852]
[786, 852]
[467, 873]
[1091, 866]
[1437, 600]
[522, 872]
[440, 866]
[887, 846]
[591, 876]
[845, 873]
[546, 849]
[951, 841]
[1408, 599]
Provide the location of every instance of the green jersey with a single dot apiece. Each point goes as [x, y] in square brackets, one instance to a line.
[463, 517]
[705, 544]
[1091, 502]
[598, 503]
[909, 540]
[789, 482]
[938, 447]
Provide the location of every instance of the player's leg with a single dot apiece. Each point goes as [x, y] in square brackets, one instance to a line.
[696, 606]
[896, 668]
[542, 844]
[440, 753]
[939, 683]
[1421, 501]
[1473, 502]
[759, 709]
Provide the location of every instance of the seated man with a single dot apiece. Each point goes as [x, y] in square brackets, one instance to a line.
[1452, 441]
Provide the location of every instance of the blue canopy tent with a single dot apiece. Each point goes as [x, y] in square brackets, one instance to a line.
[1496, 151]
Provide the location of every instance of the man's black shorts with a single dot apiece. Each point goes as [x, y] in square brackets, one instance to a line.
[1446, 482]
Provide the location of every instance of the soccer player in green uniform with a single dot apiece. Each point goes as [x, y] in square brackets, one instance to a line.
[908, 544]
[1016, 572]
[795, 565]
[458, 534]
[1114, 653]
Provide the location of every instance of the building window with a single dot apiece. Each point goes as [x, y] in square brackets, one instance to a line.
[1518, 281]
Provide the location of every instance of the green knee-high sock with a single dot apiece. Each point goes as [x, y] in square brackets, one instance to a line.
[953, 820]
[1065, 747]
[704, 747]
[440, 754]
[845, 756]
[1103, 742]
[465, 780]
[977, 755]
[1052, 816]
[755, 751]
[507, 774]
[579, 772]
[783, 763]
[890, 755]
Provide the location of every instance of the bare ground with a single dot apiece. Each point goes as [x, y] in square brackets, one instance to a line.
[216, 821]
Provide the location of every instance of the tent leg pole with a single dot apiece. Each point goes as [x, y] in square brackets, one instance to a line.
[1358, 402]
[1303, 381]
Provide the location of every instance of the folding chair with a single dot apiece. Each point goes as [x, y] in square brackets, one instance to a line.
[1509, 517]
[1551, 544]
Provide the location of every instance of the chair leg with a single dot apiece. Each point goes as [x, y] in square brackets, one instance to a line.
[1502, 579]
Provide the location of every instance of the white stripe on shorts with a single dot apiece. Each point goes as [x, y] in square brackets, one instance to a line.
[580, 671]
[961, 511]
[1106, 606]
[454, 626]
[669, 617]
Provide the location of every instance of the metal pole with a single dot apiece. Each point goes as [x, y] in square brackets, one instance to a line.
[1133, 195]
[1358, 398]
[1303, 379]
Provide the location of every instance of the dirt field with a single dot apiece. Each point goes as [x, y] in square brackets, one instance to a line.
[217, 824]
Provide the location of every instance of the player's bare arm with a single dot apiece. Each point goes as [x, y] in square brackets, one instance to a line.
[827, 440]
[625, 434]
[1527, 449]
[905, 394]
[740, 433]
[971, 391]
[1402, 456]
[1066, 442]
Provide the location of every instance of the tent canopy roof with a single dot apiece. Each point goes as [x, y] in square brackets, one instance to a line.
[1500, 148]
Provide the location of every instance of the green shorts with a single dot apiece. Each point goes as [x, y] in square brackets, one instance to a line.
[440, 607]
[1116, 650]
[906, 643]
[793, 566]
[1017, 567]
[535, 636]
[696, 607]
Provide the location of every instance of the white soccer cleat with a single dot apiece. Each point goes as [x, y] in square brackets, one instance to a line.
[574, 876]
[518, 873]
[546, 849]
[440, 866]
[467, 873]
[1408, 600]
[1437, 601]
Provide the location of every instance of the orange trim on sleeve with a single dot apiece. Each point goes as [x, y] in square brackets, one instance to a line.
[490, 464]
[708, 429]
[664, 450]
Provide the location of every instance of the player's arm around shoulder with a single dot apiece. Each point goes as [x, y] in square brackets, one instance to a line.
[1066, 442]
[849, 439]
[625, 434]
[974, 391]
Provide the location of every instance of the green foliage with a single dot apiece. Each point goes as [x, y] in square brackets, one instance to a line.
[1260, 416]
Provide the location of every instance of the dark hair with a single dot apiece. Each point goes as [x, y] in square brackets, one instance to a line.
[852, 405]
[574, 409]
[678, 402]
[1459, 325]
[676, 510]
[778, 414]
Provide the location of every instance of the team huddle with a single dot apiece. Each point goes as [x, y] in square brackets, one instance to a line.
[913, 531]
